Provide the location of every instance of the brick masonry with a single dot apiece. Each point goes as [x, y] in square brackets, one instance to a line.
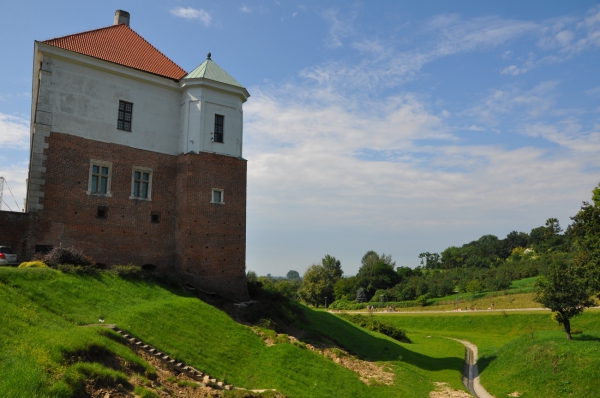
[204, 241]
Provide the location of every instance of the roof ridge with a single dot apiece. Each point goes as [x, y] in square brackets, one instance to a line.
[81, 33]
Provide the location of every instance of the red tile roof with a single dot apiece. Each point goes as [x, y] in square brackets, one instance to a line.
[121, 45]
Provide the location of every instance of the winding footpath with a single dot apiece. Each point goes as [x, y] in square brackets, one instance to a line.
[470, 372]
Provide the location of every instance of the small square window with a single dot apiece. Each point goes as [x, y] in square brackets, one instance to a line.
[99, 178]
[102, 212]
[217, 196]
[219, 122]
[125, 116]
[155, 217]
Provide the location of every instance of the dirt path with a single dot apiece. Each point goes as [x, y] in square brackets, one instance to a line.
[470, 373]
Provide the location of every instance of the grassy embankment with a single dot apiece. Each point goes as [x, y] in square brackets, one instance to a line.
[43, 341]
[525, 352]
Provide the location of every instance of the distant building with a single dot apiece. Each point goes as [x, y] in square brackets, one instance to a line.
[134, 160]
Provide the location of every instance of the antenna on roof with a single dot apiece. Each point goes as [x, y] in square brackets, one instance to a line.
[208, 55]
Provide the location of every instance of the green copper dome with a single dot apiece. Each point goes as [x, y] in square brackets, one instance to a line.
[211, 71]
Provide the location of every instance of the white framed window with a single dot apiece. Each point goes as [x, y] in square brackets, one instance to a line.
[141, 183]
[100, 176]
[217, 196]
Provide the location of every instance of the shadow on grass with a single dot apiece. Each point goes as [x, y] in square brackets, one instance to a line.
[585, 337]
[484, 362]
[366, 346]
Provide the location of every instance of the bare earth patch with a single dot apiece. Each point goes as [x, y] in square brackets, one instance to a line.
[369, 372]
[515, 394]
[442, 390]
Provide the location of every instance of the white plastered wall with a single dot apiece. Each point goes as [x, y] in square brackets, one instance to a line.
[199, 106]
[84, 102]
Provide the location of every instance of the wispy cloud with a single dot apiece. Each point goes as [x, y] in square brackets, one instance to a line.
[192, 13]
[339, 28]
[568, 134]
[14, 132]
[520, 104]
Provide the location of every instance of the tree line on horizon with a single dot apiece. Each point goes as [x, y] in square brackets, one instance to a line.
[567, 261]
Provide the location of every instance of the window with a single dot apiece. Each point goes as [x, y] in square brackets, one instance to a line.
[155, 217]
[217, 196]
[125, 114]
[141, 183]
[99, 178]
[102, 212]
[218, 137]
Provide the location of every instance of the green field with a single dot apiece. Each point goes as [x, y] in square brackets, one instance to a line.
[43, 339]
[522, 351]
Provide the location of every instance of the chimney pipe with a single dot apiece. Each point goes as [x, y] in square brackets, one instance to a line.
[121, 17]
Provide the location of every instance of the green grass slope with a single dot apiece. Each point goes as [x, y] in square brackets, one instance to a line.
[44, 314]
[525, 352]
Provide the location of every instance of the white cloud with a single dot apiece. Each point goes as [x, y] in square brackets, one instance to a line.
[246, 9]
[14, 132]
[192, 13]
[339, 28]
[567, 134]
[520, 104]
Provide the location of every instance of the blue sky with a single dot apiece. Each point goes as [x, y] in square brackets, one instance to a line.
[395, 126]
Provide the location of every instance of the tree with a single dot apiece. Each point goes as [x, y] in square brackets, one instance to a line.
[293, 275]
[377, 272]
[345, 288]
[361, 296]
[565, 290]
[585, 231]
[333, 267]
[316, 285]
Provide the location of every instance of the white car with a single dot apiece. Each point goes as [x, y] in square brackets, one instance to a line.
[7, 256]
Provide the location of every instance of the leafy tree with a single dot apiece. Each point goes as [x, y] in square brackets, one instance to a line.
[474, 286]
[316, 285]
[565, 290]
[430, 260]
[377, 272]
[345, 288]
[292, 275]
[585, 231]
[333, 267]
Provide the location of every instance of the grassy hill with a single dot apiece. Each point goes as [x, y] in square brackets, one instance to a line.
[522, 351]
[46, 348]
[42, 328]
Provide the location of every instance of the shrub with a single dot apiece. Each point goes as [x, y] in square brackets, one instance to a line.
[67, 255]
[370, 323]
[33, 264]
[129, 271]
[77, 269]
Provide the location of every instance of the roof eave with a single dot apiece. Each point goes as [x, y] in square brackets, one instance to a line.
[229, 88]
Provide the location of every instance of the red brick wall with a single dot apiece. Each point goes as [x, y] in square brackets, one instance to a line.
[14, 232]
[203, 240]
[211, 238]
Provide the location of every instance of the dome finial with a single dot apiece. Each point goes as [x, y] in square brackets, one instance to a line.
[208, 55]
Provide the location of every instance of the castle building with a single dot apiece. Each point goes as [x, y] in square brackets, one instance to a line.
[134, 160]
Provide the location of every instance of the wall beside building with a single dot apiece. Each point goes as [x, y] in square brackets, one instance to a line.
[15, 231]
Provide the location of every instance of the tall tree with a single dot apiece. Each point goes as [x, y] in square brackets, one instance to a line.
[333, 267]
[292, 274]
[377, 272]
[565, 290]
[316, 285]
